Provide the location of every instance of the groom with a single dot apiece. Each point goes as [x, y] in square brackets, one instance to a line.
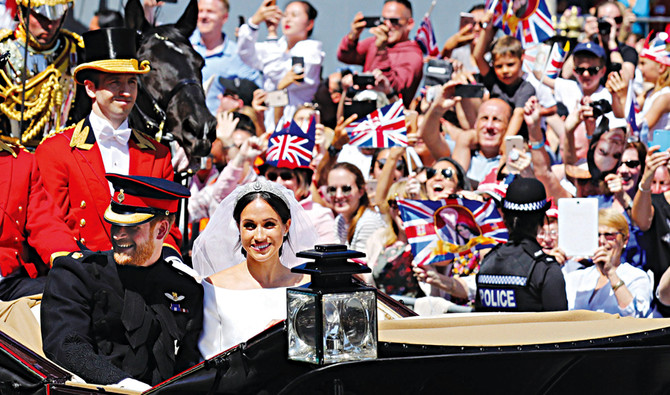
[127, 316]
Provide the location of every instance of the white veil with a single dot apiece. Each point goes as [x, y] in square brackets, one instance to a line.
[218, 246]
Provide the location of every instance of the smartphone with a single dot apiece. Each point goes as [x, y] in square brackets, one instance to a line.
[298, 64]
[614, 67]
[469, 90]
[359, 107]
[466, 19]
[372, 21]
[582, 240]
[662, 138]
[514, 142]
[277, 98]
[364, 79]
[169, 1]
[240, 20]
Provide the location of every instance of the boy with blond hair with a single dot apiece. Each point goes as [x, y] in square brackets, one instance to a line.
[506, 81]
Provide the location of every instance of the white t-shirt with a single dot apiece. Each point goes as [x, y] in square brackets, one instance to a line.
[569, 93]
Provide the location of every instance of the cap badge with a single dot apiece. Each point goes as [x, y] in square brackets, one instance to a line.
[121, 197]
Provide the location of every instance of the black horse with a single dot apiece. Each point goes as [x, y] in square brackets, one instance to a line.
[171, 101]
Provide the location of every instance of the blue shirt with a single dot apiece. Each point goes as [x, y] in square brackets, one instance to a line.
[224, 63]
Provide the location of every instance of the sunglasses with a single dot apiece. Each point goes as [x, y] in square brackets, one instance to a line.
[609, 236]
[631, 164]
[285, 175]
[399, 165]
[346, 190]
[592, 70]
[393, 21]
[446, 173]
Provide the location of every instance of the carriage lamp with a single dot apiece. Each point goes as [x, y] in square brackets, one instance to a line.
[333, 319]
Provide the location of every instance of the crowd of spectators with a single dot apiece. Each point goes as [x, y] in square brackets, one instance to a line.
[578, 140]
[575, 134]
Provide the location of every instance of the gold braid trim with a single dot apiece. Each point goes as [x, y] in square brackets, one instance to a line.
[37, 3]
[5, 34]
[74, 36]
[50, 97]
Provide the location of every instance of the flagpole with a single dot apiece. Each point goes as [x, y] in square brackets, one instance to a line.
[546, 64]
[430, 10]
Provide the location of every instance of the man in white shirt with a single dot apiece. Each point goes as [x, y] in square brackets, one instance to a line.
[74, 161]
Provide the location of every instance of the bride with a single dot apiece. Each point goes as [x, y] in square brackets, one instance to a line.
[245, 256]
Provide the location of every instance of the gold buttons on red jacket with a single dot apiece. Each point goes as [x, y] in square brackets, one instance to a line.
[82, 222]
[82, 204]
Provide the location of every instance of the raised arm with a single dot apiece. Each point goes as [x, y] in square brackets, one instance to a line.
[643, 211]
[430, 128]
[483, 43]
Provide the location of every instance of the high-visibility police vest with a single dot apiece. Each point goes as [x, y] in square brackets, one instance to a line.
[504, 278]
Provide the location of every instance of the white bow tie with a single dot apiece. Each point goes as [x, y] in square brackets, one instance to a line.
[120, 135]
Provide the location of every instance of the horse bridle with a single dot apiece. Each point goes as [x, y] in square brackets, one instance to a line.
[159, 107]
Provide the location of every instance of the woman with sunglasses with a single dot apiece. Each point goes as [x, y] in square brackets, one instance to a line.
[610, 285]
[445, 178]
[356, 220]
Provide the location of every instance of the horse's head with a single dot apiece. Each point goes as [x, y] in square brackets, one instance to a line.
[175, 81]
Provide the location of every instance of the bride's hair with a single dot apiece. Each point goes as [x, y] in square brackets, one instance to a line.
[277, 204]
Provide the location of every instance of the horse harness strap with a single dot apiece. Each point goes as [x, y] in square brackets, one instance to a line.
[159, 108]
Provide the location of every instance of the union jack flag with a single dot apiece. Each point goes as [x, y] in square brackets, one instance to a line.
[531, 23]
[441, 230]
[497, 8]
[556, 60]
[291, 147]
[425, 37]
[633, 109]
[382, 128]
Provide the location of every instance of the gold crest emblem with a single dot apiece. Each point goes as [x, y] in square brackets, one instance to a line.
[121, 197]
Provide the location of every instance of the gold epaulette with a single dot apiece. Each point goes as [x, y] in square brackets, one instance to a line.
[8, 148]
[143, 141]
[57, 132]
[5, 34]
[74, 36]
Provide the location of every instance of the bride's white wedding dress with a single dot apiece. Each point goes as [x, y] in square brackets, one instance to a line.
[233, 316]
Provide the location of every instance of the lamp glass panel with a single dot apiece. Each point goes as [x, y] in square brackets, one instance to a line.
[349, 322]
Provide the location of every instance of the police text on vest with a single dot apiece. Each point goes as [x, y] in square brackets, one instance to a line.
[498, 298]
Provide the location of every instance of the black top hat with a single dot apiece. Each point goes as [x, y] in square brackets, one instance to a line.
[525, 195]
[137, 199]
[111, 50]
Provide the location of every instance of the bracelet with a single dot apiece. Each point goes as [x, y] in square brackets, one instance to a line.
[537, 144]
[332, 151]
[618, 285]
[639, 188]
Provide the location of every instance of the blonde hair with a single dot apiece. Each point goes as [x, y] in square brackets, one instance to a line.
[612, 218]
[663, 80]
[507, 45]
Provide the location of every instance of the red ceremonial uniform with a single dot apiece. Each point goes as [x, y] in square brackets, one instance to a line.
[28, 215]
[74, 174]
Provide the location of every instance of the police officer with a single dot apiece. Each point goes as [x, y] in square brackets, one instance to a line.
[128, 316]
[518, 275]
